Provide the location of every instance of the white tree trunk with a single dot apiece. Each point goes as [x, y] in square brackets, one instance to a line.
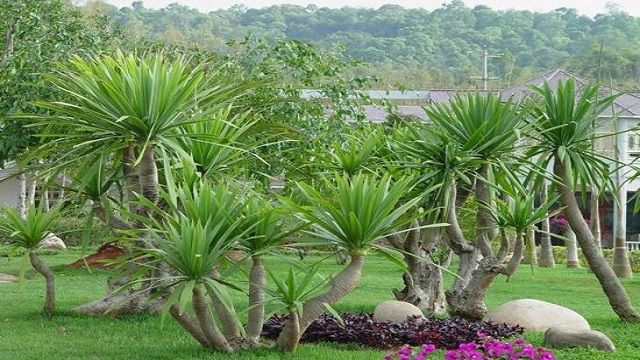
[572, 249]
[22, 195]
[621, 265]
[31, 188]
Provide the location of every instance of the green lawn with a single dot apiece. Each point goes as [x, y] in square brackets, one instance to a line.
[25, 334]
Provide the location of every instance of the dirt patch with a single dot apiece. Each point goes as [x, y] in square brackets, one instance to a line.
[99, 259]
[8, 278]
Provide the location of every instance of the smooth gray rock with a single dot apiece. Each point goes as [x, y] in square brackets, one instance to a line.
[563, 337]
[395, 311]
[537, 316]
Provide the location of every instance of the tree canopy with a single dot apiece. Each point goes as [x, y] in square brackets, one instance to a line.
[416, 47]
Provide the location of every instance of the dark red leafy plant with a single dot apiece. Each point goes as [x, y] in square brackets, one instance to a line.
[360, 328]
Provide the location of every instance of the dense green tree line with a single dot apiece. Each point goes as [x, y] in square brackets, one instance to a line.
[416, 47]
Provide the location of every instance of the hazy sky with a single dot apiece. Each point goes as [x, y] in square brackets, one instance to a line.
[584, 7]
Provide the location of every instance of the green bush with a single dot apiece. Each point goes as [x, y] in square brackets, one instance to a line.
[560, 257]
[71, 228]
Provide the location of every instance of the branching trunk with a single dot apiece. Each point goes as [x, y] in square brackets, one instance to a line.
[469, 302]
[341, 285]
[189, 325]
[145, 299]
[518, 251]
[50, 283]
[423, 282]
[467, 253]
[618, 298]
[504, 246]
[208, 326]
[257, 281]
[110, 219]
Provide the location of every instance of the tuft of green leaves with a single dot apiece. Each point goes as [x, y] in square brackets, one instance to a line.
[28, 232]
[362, 209]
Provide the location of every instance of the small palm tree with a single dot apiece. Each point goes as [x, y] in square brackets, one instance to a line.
[269, 228]
[26, 234]
[128, 109]
[519, 215]
[487, 127]
[361, 210]
[192, 236]
[292, 292]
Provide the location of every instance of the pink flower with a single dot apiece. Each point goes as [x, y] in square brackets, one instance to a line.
[489, 349]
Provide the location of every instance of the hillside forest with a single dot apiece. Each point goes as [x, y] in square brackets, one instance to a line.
[413, 48]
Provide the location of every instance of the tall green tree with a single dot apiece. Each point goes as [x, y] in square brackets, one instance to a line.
[128, 109]
[37, 34]
[564, 122]
[486, 129]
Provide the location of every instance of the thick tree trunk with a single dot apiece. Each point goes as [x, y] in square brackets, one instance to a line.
[131, 178]
[617, 295]
[124, 302]
[531, 251]
[466, 297]
[341, 285]
[291, 345]
[423, 282]
[257, 281]
[207, 324]
[189, 325]
[149, 174]
[230, 328]
[50, 283]
[485, 225]
[128, 302]
[469, 302]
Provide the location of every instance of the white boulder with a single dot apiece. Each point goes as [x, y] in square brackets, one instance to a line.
[52, 242]
[537, 316]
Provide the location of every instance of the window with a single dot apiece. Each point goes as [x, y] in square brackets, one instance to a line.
[633, 143]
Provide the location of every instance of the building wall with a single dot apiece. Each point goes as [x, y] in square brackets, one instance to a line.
[9, 192]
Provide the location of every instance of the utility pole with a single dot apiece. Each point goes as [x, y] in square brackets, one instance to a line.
[485, 69]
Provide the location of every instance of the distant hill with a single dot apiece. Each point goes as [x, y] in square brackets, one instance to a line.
[418, 48]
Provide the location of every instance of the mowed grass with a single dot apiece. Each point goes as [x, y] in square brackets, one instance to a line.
[25, 334]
